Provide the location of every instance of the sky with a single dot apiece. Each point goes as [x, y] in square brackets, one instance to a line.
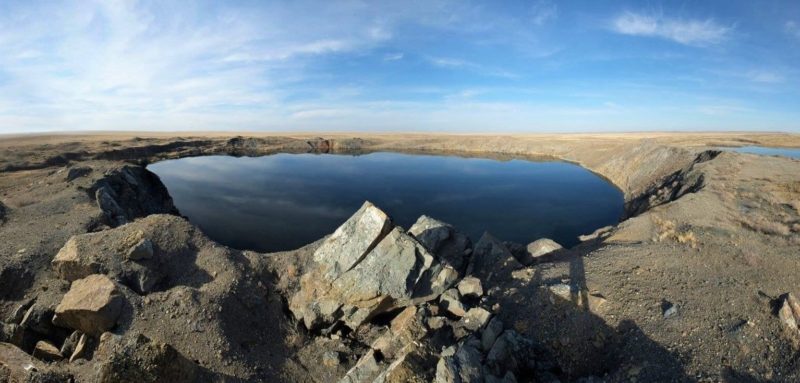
[400, 66]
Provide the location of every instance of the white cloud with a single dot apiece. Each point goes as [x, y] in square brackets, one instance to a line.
[765, 77]
[393, 56]
[687, 32]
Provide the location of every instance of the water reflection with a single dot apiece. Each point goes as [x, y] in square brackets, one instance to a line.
[284, 201]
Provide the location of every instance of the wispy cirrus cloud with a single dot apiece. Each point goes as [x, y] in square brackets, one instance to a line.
[687, 32]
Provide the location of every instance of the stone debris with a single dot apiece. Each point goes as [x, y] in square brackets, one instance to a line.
[668, 309]
[91, 305]
[476, 318]
[450, 301]
[470, 287]
[540, 248]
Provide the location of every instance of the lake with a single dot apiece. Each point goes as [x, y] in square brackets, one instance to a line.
[284, 201]
[766, 151]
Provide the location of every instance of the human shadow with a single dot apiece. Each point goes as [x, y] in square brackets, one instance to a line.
[561, 317]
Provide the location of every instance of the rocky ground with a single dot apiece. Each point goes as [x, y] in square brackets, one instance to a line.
[101, 279]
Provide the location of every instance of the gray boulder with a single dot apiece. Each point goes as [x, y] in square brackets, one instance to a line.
[363, 269]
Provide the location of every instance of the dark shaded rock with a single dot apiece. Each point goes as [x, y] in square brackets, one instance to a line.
[491, 261]
[77, 172]
[131, 192]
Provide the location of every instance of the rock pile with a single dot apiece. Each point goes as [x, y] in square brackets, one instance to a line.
[378, 304]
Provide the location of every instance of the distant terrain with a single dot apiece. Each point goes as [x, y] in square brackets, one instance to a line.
[101, 279]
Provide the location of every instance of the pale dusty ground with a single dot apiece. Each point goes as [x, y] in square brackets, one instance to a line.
[716, 235]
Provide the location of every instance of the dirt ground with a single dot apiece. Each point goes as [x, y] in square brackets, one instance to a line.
[684, 288]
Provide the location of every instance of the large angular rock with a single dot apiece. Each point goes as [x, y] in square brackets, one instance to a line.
[464, 366]
[491, 261]
[92, 305]
[139, 359]
[364, 269]
[351, 241]
[442, 239]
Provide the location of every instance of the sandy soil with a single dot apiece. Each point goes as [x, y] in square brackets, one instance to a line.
[716, 235]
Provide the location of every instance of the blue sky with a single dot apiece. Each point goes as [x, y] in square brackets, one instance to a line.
[495, 66]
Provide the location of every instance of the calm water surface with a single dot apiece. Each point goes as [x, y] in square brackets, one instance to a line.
[285, 201]
[765, 151]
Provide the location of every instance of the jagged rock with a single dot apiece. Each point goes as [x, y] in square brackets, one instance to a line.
[414, 365]
[490, 333]
[450, 300]
[69, 264]
[139, 359]
[351, 241]
[80, 348]
[443, 240]
[47, 352]
[476, 318]
[538, 249]
[365, 370]
[91, 305]
[491, 260]
[68, 347]
[363, 269]
[143, 249]
[130, 192]
[789, 314]
[470, 286]
[406, 328]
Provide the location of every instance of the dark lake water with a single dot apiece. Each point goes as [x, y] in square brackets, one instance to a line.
[285, 201]
[766, 151]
